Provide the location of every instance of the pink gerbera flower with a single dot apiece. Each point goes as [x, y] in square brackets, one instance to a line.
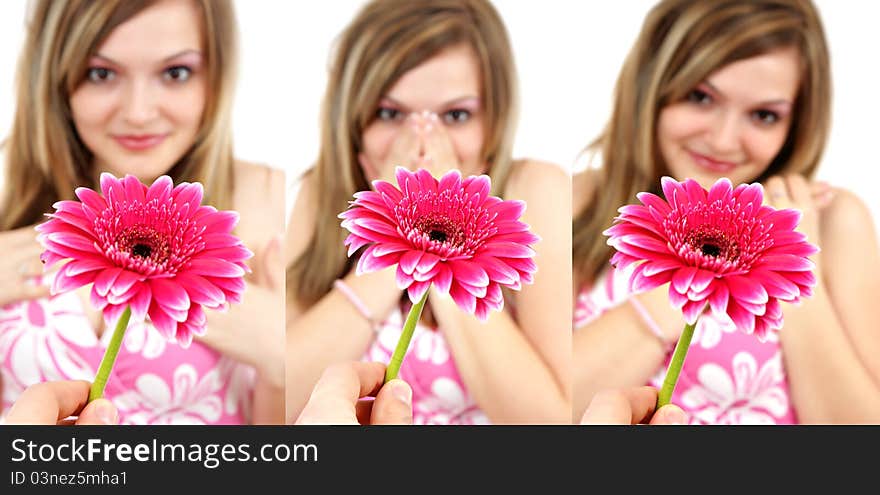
[723, 248]
[450, 232]
[154, 249]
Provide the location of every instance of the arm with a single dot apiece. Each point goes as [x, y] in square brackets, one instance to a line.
[616, 351]
[252, 332]
[332, 330]
[520, 371]
[831, 340]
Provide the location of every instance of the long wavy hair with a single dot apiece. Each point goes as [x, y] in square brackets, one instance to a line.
[386, 39]
[681, 43]
[46, 159]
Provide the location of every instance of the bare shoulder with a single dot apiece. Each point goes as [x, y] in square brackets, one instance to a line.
[302, 218]
[583, 185]
[533, 180]
[258, 197]
[848, 216]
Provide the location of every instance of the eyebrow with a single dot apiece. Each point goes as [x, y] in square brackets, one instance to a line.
[455, 101]
[164, 60]
[780, 101]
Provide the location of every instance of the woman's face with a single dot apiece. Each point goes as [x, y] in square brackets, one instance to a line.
[447, 85]
[140, 105]
[734, 123]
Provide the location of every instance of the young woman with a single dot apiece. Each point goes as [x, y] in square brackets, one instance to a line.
[141, 88]
[428, 85]
[740, 90]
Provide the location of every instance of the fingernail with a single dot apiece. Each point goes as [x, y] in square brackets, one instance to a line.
[676, 416]
[401, 391]
[105, 412]
[433, 117]
[428, 127]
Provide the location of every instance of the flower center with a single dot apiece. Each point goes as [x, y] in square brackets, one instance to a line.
[710, 249]
[142, 242]
[712, 242]
[141, 250]
[440, 230]
[437, 235]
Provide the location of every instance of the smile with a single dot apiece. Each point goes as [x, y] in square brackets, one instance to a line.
[140, 142]
[711, 164]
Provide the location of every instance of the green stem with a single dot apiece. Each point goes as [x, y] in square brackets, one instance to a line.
[681, 349]
[97, 389]
[403, 343]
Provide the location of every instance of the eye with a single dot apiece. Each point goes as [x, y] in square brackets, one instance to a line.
[387, 114]
[765, 116]
[456, 116]
[100, 75]
[699, 97]
[178, 73]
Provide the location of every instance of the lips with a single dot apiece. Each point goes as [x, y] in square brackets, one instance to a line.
[711, 164]
[140, 142]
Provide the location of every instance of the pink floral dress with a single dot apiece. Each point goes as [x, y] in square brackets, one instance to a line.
[153, 381]
[439, 394]
[728, 377]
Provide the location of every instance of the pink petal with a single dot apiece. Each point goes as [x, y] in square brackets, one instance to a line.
[214, 267]
[403, 279]
[507, 250]
[200, 290]
[469, 273]
[409, 260]
[169, 294]
[497, 270]
[443, 279]
[747, 290]
[692, 310]
[417, 290]
[140, 303]
[105, 280]
[718, 299]
[160, 190]
[682, 279]
[463, 299]
[744, 320]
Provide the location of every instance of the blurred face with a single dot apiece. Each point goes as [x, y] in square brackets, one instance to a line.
[447, 85]
[734, 123]
[140, 104]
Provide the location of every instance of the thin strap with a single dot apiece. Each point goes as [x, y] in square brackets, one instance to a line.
[358, 304]
[650, 323]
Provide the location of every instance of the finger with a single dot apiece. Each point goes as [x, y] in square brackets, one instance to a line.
[49, 402]
[777, 192]
[99, 412]
[335, 395]
[670, 414]
[393, 405]
[439, 147]
[364, 409]
[799, 191]
[406, 147]
[608, 407]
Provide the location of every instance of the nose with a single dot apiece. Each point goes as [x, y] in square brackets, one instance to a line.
[140, 105]
[724, 134]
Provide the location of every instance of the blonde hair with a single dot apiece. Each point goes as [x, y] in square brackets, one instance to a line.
[681, 43]
[385, 40]
[46, 160]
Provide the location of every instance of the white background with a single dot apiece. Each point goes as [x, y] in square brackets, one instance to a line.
[568, 53]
